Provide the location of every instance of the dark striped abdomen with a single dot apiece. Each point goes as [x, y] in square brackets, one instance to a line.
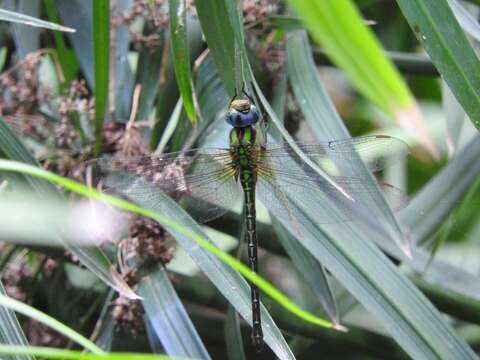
[247, 179]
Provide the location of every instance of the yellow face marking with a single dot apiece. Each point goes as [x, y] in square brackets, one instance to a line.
[241, 104]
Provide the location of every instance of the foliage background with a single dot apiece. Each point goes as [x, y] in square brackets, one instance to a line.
[48, 117]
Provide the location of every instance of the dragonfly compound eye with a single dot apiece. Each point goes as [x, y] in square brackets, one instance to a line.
[243, 118]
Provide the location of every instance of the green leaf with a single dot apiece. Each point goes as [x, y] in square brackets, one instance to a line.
[32, 21]
[66, 56]
[324, 120]
[233, 336]
[347, 251]
[107, 327]
[169, 318]
[180, 52]
[93, 258]
[53, 353]
[35, 314]
[442, 37]
[339, 28]
[236, 289]
[216, 26]
[148, 76]
[10, 330]
[430, 207]
[3, 57]
[27, 38]
[101, 54]
[310, 269]
[78, 14]
[454, 117]
[233, 287]
[466, 20]
[122, 82]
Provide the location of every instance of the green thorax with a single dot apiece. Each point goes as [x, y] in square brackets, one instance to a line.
[244, 147]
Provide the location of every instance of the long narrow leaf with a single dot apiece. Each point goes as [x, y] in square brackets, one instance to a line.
[233, 336]
[66, 56]
[310, 269]
[93, 258]
[78, 15]
[10, 330]
[178, 37]
[49, 321]
[169, 318]
[233, 287]
[238, 292]
[27, 38]
[62, 354]
[425, 213]
[321, 115]
[101, 54]
[16, 17]
[338, 27]
[347, 251]
[442, 37]
[220, 39]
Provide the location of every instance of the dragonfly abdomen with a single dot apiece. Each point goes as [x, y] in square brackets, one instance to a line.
[247, 180]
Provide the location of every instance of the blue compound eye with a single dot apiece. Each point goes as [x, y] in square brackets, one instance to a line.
[241, 119]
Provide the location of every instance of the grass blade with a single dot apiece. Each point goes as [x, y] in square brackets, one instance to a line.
[66, 56]
[181, 54]
[310, 269]
[53, 353]
[322, 117]
[101, 55]
[16, 17]
[93, 258]
[442, 37]
[27, 38]
[466, 20]
[447, 186]
[148, 76]
[339, 28]
[454, 118]
[49, 321]
[348, 253]
[78, 14]
[10, 330]
[235, 288]
[169, 318]
[233, 336]
[218, 32]
[346, 250]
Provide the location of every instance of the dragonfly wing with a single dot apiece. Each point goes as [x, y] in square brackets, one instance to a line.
[280, 175]
[376, 151]
[201, 180]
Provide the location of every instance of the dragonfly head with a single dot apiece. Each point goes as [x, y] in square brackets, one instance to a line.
[242, 113]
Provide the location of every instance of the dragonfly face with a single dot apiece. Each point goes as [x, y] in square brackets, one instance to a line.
[242, 113]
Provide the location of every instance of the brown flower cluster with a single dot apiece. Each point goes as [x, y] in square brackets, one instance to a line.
[15, 277]
[39, 334]
[147, 241]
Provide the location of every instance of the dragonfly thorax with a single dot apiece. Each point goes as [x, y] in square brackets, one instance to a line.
[243, 137]
[242, 113]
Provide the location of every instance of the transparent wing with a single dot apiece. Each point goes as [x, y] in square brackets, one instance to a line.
[281, 171]
[376, 151]
[201, 180]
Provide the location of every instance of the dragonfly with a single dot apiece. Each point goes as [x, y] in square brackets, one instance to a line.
[206, 181]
